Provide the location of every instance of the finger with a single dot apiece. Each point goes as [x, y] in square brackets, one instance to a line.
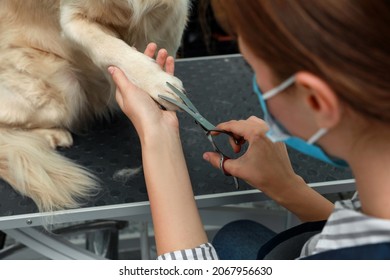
[245, 128]
[120, 80]
[151, 50]
[229, 126]
[235, 144]
[215, 158]
[261, 124]
[215, 132]
[119, 98]
[234, 127]
[162, 57]
[170, 65]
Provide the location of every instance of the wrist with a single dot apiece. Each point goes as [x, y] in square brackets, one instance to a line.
[158, 135]
[167, 126]
[285, 190]
[290, 189]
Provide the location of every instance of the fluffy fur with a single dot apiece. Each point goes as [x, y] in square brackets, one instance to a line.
[54, 56]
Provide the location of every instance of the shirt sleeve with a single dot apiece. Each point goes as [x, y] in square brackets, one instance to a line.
[202, 252]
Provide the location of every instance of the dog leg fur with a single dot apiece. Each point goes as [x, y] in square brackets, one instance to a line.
[31, 166]
[105, 48]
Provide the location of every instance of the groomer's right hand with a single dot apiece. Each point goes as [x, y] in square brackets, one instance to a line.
[265, 165]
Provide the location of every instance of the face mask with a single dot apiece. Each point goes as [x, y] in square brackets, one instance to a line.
[277, 133]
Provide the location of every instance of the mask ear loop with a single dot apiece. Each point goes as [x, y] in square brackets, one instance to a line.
[317, 136]
[279, 88]
[271, 93]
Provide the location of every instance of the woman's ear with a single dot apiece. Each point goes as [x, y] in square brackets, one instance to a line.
[320, 99]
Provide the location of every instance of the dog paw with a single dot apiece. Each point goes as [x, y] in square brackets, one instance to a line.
[148, 75]
[159, 87]
[56, 137]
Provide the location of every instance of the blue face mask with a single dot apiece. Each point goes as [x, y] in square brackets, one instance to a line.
[277, 133]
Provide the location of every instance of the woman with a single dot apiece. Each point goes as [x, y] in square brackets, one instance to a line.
[321, 74]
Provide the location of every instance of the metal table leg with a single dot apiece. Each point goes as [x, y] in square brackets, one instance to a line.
[50, 245]
[144, 241]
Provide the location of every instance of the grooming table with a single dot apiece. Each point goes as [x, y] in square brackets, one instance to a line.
[221, 88]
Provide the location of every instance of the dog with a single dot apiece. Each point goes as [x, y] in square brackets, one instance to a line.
[54, 56]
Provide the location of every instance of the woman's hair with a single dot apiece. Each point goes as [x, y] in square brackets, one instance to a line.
[344, 42]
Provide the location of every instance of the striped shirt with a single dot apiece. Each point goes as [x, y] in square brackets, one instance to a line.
[203, 252]
[346, 227]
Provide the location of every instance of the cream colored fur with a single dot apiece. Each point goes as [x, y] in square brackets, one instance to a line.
[53, 79]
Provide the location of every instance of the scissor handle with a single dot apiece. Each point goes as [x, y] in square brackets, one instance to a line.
[238, 140]
[222, 168]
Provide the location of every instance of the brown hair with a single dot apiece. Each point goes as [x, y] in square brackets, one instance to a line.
[344, 42]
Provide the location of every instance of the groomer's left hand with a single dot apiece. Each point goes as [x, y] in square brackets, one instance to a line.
[167, 180]
[139, 107]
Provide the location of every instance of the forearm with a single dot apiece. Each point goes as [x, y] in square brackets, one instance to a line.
[300, 199]
[176, 219]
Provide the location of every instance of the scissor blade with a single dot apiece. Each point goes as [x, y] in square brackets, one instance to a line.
[197, 117]
[180, 105]
[183, 97]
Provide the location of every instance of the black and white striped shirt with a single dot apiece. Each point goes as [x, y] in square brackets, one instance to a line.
[346, 227]
[202, 252]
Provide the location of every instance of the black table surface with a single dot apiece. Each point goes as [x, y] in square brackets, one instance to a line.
[221, 89]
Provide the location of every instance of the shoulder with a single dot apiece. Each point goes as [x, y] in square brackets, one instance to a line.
[377, 251]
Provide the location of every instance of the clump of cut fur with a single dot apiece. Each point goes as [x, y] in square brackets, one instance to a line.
[123, 175]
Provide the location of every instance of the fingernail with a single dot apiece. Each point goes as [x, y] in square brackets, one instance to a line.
[111, 69]
[206, 157]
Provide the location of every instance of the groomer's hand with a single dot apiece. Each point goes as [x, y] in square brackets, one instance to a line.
[265, 165]
[139, 107]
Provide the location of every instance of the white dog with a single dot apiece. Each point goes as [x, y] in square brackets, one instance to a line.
[54, 56]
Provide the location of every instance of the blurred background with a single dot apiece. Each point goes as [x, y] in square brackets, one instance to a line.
[203, 35]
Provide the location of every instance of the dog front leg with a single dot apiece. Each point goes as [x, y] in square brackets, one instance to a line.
[104, 48]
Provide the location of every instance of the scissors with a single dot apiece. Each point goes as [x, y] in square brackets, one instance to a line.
[208, 127]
